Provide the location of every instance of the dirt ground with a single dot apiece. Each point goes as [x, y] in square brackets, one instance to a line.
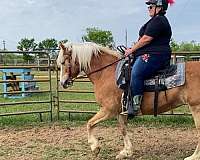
[57, 142]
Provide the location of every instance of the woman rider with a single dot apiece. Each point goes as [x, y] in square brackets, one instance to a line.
[152, 51]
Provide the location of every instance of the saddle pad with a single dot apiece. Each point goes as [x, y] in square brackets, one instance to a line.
[178, 79]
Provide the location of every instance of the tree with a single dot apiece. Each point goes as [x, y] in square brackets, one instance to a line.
[99, 36]
[26, 44]
[174, 46]
[49, 45]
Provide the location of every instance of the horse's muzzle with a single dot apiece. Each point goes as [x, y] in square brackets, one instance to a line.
[67, 83]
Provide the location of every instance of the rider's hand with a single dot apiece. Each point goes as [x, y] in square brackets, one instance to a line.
[128, 52]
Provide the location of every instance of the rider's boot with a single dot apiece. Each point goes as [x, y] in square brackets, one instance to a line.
[133, 109]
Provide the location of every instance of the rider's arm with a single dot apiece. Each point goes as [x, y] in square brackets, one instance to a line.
[152, 30]
[144, 40]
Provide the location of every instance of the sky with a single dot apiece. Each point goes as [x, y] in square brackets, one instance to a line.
[68, 19]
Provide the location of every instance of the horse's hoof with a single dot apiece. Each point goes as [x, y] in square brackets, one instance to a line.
[188, 158]
[123, 155]
[120, 156]
[192, 158]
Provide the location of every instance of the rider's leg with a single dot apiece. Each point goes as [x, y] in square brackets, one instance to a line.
[144, 67]
[133, 107]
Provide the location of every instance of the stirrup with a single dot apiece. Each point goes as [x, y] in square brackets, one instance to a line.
[124, 113]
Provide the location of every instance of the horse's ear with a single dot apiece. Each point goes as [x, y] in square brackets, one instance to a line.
[67, 50]
[62, 46]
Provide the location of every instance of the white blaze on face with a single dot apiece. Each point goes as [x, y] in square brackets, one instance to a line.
[63, 74]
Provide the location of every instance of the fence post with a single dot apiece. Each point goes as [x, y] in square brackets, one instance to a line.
[50, 85]
[174, 59]
[57, 93]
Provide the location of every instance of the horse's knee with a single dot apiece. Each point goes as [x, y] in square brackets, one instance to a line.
[122, 130]
[122, 124]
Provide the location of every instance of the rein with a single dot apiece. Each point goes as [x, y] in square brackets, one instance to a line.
[100, 69]
[104, 67]
[122, 49]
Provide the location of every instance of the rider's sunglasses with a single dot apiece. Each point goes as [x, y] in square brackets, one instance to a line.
[151, 6]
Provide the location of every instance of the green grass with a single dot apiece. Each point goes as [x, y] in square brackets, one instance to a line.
[163, 121]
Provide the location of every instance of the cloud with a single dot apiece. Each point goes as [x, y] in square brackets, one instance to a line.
[30, 1]
[62, 19]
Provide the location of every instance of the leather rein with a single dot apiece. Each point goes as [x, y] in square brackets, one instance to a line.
[71, 80]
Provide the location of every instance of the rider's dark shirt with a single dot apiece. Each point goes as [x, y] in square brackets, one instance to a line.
[159, 28]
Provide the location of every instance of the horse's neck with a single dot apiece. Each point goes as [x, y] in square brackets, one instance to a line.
[100, 62]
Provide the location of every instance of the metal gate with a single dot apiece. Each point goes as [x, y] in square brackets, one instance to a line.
[25, 82]
[60, 102]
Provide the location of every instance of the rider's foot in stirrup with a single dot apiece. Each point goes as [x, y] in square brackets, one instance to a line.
[132, 115]
[129, 116]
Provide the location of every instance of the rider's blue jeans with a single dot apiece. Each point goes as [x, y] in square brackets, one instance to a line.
[144, 67]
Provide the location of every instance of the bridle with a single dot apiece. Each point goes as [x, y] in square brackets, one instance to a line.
[69, 67]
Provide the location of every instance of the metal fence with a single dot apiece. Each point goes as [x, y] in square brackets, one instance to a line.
[26, 83]
[56, 100]
[61, 102]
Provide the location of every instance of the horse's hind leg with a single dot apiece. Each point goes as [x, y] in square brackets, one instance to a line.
[196, 115]
[128, 149]
[92, 140]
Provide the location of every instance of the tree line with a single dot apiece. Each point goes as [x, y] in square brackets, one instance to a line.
[99, 36]
[185, 46]
[102, 37]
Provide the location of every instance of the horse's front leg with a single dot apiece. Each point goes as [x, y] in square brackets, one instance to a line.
[92, 140]
[127, 151]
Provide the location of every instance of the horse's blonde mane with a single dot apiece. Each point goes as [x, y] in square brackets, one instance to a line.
[85, 51]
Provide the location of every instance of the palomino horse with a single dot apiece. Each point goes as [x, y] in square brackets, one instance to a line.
[92, 59]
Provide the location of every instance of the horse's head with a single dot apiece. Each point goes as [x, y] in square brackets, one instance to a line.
[77, 57]
[69, 67]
